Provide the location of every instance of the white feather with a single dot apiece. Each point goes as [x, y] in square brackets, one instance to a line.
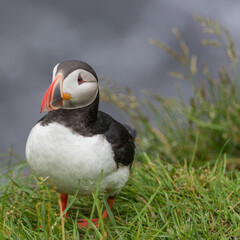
[56, 152]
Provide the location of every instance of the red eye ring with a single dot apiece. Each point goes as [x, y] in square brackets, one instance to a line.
[80, 79]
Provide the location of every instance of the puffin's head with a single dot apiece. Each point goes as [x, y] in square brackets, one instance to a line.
[74, 85]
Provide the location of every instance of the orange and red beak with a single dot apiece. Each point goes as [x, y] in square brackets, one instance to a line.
[53, 98]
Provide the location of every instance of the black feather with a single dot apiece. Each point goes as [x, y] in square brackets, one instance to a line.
[88, 121]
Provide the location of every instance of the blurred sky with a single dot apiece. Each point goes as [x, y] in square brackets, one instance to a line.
[111, 35]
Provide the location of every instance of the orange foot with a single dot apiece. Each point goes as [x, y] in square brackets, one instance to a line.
[83, 223]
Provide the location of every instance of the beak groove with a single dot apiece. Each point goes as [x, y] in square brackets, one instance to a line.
[53, 97]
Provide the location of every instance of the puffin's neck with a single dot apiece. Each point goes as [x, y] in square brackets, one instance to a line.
[77, 119]
[88, 114]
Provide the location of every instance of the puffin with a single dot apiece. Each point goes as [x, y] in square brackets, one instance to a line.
[75, 144]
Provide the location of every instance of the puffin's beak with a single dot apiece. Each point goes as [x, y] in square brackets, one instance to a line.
[53, 97]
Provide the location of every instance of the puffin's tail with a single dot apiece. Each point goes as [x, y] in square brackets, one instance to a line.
[131, 130]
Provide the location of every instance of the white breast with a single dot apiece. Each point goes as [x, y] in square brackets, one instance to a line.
[56, 152]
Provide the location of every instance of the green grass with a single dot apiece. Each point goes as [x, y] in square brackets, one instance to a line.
[185, 180]
[160, 201]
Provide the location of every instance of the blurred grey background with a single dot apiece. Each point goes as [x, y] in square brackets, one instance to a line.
[111, 35]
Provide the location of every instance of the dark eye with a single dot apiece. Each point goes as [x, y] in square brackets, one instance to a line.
[80, 80]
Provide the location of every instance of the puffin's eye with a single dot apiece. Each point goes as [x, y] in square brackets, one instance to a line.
[80, 80]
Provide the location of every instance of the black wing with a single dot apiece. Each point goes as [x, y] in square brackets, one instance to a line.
[121, 140]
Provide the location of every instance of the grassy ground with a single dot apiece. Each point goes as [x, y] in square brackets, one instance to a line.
[184, 182]
[160, 201]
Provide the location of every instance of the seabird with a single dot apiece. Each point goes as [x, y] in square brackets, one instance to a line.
[75, 142]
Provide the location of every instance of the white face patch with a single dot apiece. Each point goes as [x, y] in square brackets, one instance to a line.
[82, 93]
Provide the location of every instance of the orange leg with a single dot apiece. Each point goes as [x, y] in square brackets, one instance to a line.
[64, 199]
[110, 202]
